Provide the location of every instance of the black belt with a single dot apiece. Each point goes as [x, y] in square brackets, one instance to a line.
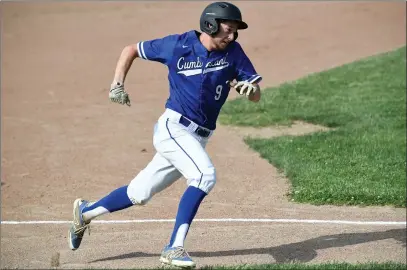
[200, 131]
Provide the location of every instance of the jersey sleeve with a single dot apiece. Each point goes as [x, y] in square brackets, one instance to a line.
[245, 70]
[159, 50]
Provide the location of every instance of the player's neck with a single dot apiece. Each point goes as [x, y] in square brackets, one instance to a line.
[207, 42]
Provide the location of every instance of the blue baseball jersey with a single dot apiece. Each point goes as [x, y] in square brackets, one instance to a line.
[198, 78]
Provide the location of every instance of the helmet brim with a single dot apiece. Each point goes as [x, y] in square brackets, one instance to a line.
[242, 25]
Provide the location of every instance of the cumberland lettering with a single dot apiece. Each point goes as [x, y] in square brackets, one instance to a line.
[189, 68]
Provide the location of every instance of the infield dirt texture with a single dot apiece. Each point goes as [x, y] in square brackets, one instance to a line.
[62, 138]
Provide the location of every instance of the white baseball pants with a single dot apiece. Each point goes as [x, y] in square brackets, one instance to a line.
[180, 152]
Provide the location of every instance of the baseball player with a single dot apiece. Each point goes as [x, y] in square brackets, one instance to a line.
[201, 69]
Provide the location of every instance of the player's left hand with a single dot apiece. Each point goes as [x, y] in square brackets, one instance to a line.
[245, 88]
[118, 95]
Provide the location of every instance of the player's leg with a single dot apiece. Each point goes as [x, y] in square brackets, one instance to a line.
[84, 212]
[187, 153]
[157, 175]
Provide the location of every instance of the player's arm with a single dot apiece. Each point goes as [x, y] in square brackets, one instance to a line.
[117, 93]
[246, 76]
[129, 53]
[159, 50]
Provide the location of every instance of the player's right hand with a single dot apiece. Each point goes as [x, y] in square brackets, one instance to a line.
[243, 87]
[118, 95]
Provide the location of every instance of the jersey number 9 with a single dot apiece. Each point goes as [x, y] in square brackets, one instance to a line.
[218, 91]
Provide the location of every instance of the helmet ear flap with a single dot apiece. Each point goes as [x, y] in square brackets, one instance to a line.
[211, 26]
[235, 35]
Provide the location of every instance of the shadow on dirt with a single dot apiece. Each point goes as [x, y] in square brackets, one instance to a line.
[304, 251]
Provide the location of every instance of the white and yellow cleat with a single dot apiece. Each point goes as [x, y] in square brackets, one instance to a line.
[79, 226]
[176, 256]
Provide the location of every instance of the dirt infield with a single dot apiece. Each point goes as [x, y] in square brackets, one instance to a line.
[62, 138]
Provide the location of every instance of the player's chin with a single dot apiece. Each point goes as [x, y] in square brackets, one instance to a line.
[222, 45]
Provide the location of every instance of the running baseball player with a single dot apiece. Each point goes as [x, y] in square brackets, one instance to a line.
[202, 67]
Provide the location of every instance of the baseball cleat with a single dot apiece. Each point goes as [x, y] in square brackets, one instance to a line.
[176, 256]
[79, 226]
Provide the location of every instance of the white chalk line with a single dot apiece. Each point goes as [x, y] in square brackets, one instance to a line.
[236, 220]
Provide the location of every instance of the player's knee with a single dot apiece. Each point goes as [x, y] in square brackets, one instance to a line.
[138, 194]
[206, 180]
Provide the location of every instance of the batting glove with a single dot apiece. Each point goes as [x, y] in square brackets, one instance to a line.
[244, 87]
[118, 95]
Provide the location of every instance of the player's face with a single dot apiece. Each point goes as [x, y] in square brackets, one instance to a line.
[227, 29]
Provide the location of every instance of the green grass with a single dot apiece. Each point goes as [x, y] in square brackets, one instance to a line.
[362, 161]
[325, 266]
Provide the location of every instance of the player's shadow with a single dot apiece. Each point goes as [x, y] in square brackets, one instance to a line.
[304, 251]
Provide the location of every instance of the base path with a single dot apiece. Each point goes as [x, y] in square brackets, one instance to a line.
[62, 138]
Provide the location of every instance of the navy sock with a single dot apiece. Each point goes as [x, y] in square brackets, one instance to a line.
[115, 201]
[187, 209]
